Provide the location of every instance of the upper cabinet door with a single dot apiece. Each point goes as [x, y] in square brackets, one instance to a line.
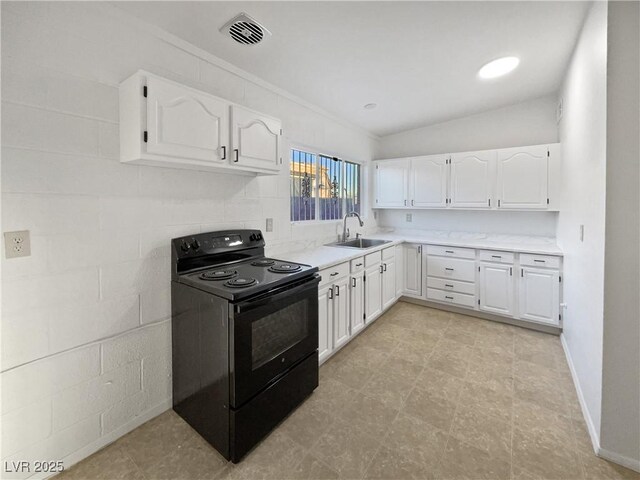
[391, 183]
[185, 123]
[523, 177]
[255, 139]
[471, 175]
[428, 181]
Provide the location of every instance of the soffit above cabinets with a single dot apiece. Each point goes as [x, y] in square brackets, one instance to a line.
[418, 61]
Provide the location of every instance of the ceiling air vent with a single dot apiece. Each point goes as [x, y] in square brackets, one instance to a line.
[245, 30]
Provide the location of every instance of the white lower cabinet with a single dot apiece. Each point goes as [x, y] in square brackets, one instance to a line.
[341, 307]
[325, 322]
[356, 299]
[496, 288]
[412, 267]
[373, 292]
[539, 293]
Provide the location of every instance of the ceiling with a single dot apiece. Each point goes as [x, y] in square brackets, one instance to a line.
[417, 60]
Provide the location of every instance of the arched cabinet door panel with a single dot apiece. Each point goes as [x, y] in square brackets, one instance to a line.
[471, 179]
[522, 180]
[256, 139]
[186, 123]
[428, 181]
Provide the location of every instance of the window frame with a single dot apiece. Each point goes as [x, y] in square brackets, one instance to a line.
[318, 153]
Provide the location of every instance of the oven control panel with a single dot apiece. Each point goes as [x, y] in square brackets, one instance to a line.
[216, 242]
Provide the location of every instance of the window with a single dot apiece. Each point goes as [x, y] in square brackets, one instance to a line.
[322, 187]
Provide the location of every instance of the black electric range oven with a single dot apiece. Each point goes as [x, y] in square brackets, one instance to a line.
[244, 337]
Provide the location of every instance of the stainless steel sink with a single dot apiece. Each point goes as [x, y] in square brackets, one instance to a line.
[359, 243]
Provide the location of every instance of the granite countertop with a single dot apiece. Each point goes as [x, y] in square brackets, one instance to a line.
[326, 256]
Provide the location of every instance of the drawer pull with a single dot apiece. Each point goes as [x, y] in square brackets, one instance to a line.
[447, 285]
[448, 298]
[358, 264]
[337, 290]
[334, 274]
[385, 266]
[539, 261]
[449, 269]
[496, 256]
[330, 293]
[449, 251]
[353, 283]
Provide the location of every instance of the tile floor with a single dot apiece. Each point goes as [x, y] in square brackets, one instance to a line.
[421, 394]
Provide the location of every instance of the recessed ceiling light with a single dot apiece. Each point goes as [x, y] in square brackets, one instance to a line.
[370, 106]
[499, 67]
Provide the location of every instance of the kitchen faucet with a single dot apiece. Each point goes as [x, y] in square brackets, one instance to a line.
[345, 230]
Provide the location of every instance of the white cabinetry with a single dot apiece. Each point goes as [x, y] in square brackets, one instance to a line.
[451, 275]
[255, 139]
[496, 288]
[399, 270]
[539, 289]
[333, 309]
[522, 177]
[412, 266]
[391, 183]
[356, 298]
[428, 179]
[388, 277]
[164, 123]
[471, 179]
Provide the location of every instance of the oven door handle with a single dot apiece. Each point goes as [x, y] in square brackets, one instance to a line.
[278, 294]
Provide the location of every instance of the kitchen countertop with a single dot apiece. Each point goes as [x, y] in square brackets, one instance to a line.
[325, 256]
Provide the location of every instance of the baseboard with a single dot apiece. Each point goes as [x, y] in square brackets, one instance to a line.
[110, 437]
[593, 434]
[627, 462]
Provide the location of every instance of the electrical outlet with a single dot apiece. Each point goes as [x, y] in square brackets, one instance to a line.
[409, 217]
[269, 225]
[17, 244]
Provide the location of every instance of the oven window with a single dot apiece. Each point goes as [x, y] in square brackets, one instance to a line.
[276, 333]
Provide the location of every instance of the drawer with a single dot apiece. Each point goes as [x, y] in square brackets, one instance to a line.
[388, 253]
[451, 268]
[451, 251]
[496, 257]
[451, 285]
[372, 259]
[331, 274]
[357, 264]
[451, 297]
[548, 261]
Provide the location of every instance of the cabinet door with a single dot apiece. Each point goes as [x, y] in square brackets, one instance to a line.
[540, 295]
[471, 179]
[391, 183]
[496, 288]
[185, 123]
[413, 270]
[399, 270]
[325, 322]
[388, 283]
[522, 177]
[428, 178]
[356, 299]
[255, 139]
[373, 293]
[341, 327]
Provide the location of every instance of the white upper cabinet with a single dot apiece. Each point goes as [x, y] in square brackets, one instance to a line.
[522, 177]
[164, 123]
[428, 181]
[185, 123]
[471, 179]
[391, 183]
[255, 139]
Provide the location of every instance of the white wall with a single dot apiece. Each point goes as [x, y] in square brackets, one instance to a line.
[620, 432]
[507, 223]
[85, 318]
[528, 123]
[583, 137]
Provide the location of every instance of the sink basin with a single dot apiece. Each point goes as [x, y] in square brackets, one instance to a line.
[360, 243]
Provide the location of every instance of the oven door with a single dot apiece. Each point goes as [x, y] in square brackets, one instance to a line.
[269, 334]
